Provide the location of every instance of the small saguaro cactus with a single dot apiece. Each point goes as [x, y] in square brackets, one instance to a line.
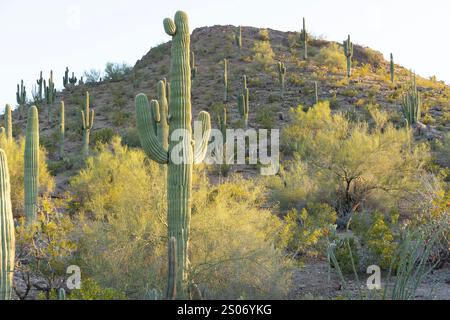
[304, 39]
[392, 69]
[21, 97]
[411, 106]
[62, 130]
[193, 67]
[7, 232]
[50, 97]
[238, 38]
[316, 92]
[281, 77]
[66, 77]
[81, 82]
[225, 80]
[31, 164]
[183, 152]
[40, 83]
[348, 51]
[243, 101]
[87, 121]
[8, 122]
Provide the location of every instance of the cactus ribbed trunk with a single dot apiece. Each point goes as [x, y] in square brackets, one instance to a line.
[31, 174]
[7, 236]
[8, 122]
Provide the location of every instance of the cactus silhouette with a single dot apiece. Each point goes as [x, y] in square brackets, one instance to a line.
[304, 39]
[31, 164]
[281, 77]
[183, 151]
[392, 67]
[7, 235]
[348, 51]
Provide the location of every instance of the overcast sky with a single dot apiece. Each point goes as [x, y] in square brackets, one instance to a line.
[85, 34]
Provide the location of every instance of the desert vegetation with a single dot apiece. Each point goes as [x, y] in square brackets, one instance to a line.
[92, 178]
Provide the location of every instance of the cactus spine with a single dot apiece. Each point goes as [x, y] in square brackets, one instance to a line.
[7, 232]
[304, 39]
[179, 173]
[238, 38]
[31, 157]
[62, 129]
[8, 122]
[281, 77]
[392, 69]
[243, 101]
[225, 80]
[411, 106]
[87, 120]
[193, 67]
[348, 51]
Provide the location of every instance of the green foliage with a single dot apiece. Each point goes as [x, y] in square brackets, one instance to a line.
[266, 117]
[116, 71]
[103, 135]
[90, 290]
[346, 253]
[262, 50]
[332, 57]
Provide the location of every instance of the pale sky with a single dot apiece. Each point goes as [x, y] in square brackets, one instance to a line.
[85, 34]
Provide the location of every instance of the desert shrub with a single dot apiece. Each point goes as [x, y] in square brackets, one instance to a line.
[443, 151]
[332, 57]
[118, 96]
[263, 35]
[90, 290]
[104, 135]
[263, 53]
[350, 93]
[120, 118]
[352, 164]
[232, 251]
[266, 117]
[116, 71]
[305, 231]
[130, 138]
[346, 253]
[15, 155]
[92, 76]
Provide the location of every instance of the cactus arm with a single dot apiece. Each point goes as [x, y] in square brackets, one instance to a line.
[202, 146]
[163, 125]
[147, 130]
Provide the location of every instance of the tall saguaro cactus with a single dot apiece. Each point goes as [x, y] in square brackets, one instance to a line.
[392, 69]
[238, 38]
[7, 236]
[62, 129]
[281, 77]
[87, 120]
[225, 80]
[183, 151]
[348, 51]
[244, 101]
[31, 166]
[8, 122]
[304, 39]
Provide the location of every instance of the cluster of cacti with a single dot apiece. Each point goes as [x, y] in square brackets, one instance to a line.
[62, 130]
[7, 232]
[348, 51]
[193, 67]
[411, 106]
[87, 120]
[243, 101]
[392, 69]
[73, 80]
[304, 39]
[179, 173]
[316, 92]
[50, 96]
[21, 97]
[281, 77]
[238, 38]
[225, 80]
[8, 122]
[31, 164]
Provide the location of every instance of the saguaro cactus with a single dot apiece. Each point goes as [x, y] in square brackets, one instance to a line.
[73, 80]
[411, 106]
[62, 129]
[225, 80]
[281, 77]
[40, 83]
[183, 152]
[7, 235]
[392, 69]
[348, 51]
[50, 97]
[8, 122]
[238, 38]
[171, 279]
[66, 77]
[21, 97]
[87, 120]
[193, 67]
[304, 39]
[31, 157]
[244, 101]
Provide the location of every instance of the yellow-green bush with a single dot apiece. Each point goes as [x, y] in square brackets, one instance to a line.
[122, 201]
[332, 57]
